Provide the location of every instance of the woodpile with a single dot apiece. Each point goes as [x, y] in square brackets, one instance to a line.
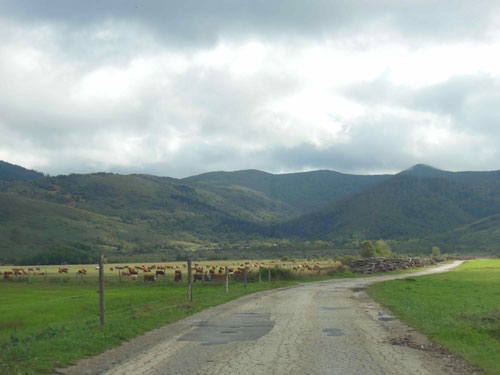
[380, 265]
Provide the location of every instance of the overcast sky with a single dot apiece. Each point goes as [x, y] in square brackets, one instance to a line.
[177, 88]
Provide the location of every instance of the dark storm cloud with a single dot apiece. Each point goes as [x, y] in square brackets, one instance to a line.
[205, 21]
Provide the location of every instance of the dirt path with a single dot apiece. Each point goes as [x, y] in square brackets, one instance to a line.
[329, 327]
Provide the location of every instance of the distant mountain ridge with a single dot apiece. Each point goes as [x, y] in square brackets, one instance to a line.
[305, 191]
[138, 213]
[416, 202]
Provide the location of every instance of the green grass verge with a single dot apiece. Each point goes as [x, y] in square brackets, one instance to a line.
[53, 323]
[459, 310]
[44, 326]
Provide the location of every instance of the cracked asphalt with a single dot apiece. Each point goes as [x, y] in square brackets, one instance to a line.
[329, 327]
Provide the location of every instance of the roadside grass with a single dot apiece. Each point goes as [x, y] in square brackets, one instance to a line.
[58, 325]
[459, 309]
[53, 322]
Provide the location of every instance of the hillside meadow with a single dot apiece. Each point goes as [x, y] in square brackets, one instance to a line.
[459, 310]
[43, 317]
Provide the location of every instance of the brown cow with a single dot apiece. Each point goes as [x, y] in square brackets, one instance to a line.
[149, 278]
[178, 275]
[133, 277]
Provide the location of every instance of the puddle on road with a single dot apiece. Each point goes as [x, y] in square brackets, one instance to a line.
[333, 332]
[232, 328]
[386, 319]
[334, 308]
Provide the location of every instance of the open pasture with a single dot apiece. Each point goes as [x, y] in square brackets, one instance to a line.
[164, 272]
[42, 318]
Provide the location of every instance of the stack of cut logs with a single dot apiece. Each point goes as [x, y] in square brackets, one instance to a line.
[379, 265]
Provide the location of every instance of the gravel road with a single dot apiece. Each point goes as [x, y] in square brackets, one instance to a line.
[329, 327]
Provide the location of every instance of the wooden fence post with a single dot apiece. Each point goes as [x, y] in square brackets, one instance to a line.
[260, 274]
[269, 274]
[190, 281]
[227, 281]
[101, 290]
[245, 277]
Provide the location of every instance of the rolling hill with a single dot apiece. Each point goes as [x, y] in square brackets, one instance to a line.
[29, 226]
[305, 192]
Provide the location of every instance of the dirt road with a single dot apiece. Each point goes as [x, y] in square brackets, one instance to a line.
[329, 327]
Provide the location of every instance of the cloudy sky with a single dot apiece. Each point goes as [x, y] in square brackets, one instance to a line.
[176, 88]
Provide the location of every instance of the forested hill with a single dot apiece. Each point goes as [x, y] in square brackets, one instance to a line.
[12, 172]
[138, 214]
[306, 191]
[406, 205]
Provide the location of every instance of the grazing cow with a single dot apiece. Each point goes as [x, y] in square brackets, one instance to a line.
[63, 270]
[160, 272]
[149, 278]
[111, 268]
[133, 277]
[197, 276]
[6, 274]
[178, 275]
[19, 272]
[219, 276]
[82, 272]
[31, 270]
[38, 268]
[125, 273]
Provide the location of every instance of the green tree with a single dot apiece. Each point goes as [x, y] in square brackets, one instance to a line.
[436, 251]
[383, 249]
[368, 249]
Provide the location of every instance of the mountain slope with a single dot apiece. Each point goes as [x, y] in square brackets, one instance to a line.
[164, 205]
[403, 206]
[12, 172]
[29, 226]
[481, 235]
[305, 192]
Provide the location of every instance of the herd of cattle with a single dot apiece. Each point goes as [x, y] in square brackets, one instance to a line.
[208, 272]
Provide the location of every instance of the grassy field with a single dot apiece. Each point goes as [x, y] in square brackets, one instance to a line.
[52, 321]
[459, 310]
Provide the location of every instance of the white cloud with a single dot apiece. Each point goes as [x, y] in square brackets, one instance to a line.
[349, 87]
